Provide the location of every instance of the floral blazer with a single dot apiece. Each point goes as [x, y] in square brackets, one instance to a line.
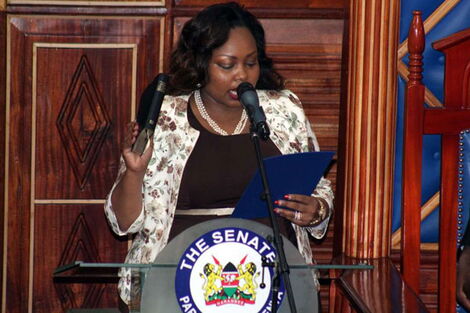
[174, 139]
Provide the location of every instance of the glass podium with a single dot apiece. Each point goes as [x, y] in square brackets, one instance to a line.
[223, 265]
[91, 271]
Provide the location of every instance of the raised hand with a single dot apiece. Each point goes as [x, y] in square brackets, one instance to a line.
[134, 161]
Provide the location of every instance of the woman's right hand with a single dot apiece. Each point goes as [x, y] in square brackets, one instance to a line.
[126, 198]
[135, 162]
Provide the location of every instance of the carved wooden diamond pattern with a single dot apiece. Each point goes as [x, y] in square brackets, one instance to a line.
[83, 122]
[79, 247]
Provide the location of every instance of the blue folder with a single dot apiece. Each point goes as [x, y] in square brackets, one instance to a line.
[297, 173]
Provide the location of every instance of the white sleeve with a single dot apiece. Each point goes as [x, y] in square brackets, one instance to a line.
[111, 216]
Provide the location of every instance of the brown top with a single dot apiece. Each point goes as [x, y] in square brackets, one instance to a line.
[216, 174]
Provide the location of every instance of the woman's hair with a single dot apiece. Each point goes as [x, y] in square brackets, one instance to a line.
[207, 31]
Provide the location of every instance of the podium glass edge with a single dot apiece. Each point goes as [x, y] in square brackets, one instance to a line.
[67, 267]
[78, 264]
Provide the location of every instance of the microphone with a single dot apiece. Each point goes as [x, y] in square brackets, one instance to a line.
[148, 124]
[249, 99]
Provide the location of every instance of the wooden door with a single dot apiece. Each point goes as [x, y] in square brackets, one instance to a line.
[72, 84]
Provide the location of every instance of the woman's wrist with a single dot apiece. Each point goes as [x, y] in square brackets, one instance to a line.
[322, 213]
[133, 175]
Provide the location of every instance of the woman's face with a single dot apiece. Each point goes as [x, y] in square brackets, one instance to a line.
[231, 64]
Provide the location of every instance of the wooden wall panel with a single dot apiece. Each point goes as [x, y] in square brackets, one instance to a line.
[108, 3]
[312, 68]
[304, 4]
[73, 85]
[2, 128]
[79, 116]
[80, 234]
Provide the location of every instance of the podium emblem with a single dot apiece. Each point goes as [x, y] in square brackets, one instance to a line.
[222, 271]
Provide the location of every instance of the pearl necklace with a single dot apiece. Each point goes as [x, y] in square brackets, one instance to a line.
[202, 110]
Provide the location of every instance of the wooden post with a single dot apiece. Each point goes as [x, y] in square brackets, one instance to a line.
[413, 141]
[369, 131]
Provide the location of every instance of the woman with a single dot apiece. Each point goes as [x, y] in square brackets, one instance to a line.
[201, 156]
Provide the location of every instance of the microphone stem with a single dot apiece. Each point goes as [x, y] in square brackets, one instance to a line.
[283, 269]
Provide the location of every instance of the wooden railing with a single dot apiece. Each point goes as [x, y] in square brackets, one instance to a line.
[446, 121]
[383, 289]
[412, 163]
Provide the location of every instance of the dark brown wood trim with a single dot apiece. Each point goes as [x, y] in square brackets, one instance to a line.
[343, 117]
[275, 12]
[86, 10]
[2, 133]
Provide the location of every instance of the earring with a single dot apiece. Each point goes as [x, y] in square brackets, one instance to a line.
[198, 85]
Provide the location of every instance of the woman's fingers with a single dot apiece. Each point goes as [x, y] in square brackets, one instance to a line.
[299, 198]
[130, 135]
[134, 161]
[299, 209]
[148, 151]
[294, 216]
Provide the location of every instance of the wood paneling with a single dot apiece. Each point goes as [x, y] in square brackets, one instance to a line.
[80, 105]
[3, 63]
[80, 233]
[83, 10]
[304, 4]
[74, 84]
[88, 2]
[311, 65]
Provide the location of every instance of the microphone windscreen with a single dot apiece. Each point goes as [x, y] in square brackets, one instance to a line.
[147, 97]
[149, 111]
[244, 87]
[248, 97]
[157, 101]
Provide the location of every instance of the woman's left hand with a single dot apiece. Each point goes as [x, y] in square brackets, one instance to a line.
[302, 210]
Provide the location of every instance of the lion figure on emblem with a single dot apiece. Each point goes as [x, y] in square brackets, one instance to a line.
[248, 274]
[211, 275]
